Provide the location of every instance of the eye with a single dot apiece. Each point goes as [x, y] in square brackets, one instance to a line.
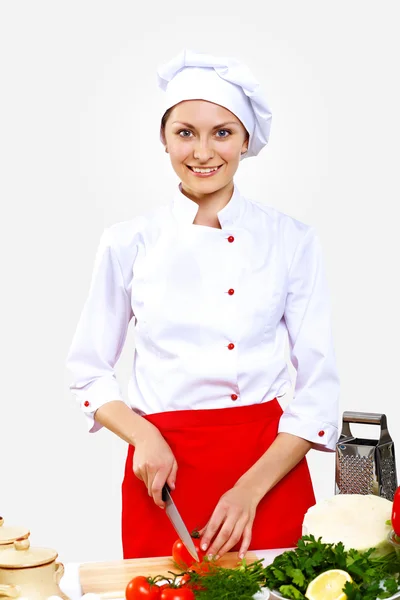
[224, 131]
[184, 131]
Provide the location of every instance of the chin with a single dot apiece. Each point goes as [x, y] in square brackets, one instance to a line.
[206, 187]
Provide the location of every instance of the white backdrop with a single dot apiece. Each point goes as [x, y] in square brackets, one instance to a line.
[80, 151]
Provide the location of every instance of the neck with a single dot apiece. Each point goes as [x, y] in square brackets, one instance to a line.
[209, 204]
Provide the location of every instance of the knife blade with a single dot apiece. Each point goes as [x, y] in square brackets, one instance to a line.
[177, 522]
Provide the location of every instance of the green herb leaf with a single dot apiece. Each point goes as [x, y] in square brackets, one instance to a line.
[391, 586]
[297, 576]
[289, 591]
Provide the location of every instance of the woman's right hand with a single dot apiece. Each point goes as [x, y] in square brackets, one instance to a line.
[154, 463]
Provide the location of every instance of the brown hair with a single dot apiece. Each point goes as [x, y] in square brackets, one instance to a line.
[165, 118]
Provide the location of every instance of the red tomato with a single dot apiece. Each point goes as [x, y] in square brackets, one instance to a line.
[202, 568]
[396, 512]
[186, 581]
[182, 557]
[141, 587]
[180, 593]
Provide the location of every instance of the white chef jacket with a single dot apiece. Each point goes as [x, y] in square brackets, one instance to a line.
[212, 310]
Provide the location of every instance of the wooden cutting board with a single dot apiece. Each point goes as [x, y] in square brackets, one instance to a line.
[109, 579]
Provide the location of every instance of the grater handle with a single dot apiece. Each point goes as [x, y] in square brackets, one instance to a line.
[367, 418]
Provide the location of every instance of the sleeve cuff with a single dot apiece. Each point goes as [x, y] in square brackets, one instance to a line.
[95, 395]
[322, 435]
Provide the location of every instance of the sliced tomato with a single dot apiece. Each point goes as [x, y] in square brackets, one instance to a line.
[181, 555]
[396, 512]
[189, 581]
[140, 588]
[185, 579]
[203, 567]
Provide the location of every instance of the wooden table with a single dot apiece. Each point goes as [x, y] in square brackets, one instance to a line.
[71, 584]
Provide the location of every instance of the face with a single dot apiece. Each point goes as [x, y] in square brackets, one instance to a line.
[199, 136]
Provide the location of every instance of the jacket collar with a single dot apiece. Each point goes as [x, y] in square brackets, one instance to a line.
[185, 209]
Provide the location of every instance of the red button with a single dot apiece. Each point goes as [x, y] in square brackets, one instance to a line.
[231, 292]
[234, 397]
[231, 346]
[321, 433]
[86, 403]
[231, 239]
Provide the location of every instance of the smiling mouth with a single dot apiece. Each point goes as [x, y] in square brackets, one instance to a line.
[204, 170]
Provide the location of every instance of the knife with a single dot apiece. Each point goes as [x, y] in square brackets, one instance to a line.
[177, 522]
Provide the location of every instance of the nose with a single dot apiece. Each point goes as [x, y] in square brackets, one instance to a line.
[203, 150]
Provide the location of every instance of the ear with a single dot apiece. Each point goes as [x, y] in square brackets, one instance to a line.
[245, 146]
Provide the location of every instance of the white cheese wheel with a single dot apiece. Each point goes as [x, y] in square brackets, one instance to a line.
[356, 520]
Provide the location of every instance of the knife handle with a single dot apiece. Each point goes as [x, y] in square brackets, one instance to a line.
[165, 491]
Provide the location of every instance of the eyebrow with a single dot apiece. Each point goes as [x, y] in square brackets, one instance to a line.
[216, 127]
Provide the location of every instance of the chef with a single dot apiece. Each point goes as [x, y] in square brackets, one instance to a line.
[214, 283]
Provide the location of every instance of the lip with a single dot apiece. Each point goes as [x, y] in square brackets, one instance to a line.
[204, 174]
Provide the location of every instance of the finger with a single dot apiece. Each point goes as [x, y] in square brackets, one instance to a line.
[222, 538]
[144, 478]
[247, 533]
[140, 474]
[157, 486]
[235, 537]
[172, 476]
[150, 475]
[212, 527]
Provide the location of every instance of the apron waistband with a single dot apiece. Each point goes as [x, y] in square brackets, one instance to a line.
[177, 419]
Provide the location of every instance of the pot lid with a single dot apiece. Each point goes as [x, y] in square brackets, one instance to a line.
[8, 535]
[22, 556]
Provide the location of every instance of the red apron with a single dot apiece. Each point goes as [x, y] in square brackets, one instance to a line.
[213, 448]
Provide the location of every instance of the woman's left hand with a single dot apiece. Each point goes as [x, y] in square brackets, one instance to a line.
[231, 521]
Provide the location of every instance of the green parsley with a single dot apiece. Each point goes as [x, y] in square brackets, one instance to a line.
[373, 577]
[240, 583]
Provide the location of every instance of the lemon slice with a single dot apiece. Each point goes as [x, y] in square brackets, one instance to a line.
[328, 586]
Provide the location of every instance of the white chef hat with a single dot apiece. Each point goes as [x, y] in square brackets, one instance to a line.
[224, 81]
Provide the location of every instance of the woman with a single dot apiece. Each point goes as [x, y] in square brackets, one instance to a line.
[215, 284]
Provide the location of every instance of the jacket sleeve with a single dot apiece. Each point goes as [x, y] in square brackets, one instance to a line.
[100, 335]
[313, 412]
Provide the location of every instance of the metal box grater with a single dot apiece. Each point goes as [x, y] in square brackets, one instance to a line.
[365, 466]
